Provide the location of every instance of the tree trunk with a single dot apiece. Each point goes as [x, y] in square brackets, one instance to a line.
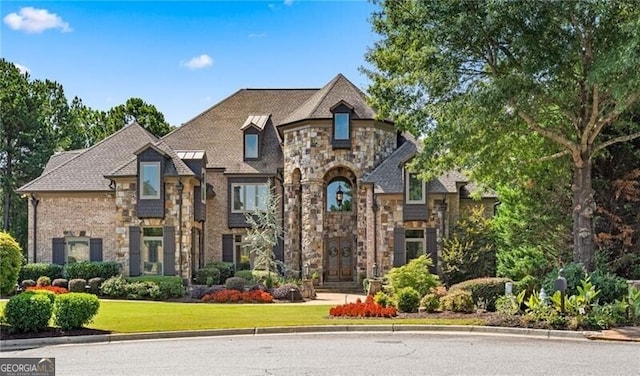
[7, 192]
[583, 209]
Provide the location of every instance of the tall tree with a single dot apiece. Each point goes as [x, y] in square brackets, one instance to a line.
[494, 85]
[32, 113]
[135, 109]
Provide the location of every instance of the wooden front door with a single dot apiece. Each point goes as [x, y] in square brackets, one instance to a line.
[339, 260]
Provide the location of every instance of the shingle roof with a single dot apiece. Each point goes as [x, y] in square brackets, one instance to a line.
[217, 130]
[176, 168]
[339, 89]
[86, 169]
[59, 158]
[258, 121]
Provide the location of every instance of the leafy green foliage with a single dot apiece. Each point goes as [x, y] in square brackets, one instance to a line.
[226, 269]
[78, 285]
[573, 272]
[29, 311]
[430, 302]
[115, 287]
[34, 271]
[407, 299]
[484, 291]
[91, 269]
[75, 310]
[510, 304]
[10, 262]
[634, 304]
[236, 283]
[246, 274]
[414, 274]
[384, 300]
[168, 286]
[469, 252]
[43, 281]
[458, 301]
[611, 287]
[207, 276]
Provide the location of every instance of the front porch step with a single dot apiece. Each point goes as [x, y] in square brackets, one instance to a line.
[341, 287]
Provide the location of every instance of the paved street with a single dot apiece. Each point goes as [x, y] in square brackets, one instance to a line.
[416, 353]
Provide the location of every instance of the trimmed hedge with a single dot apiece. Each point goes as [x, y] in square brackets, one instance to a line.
[75, 310]
[60, 282]
[170, 286]
[143, 287]
[34, 271]
[77, 285]
[235, 283]
[29, 311]
[246, 274]
[485, 290]
[227, 269]
[458, 301]
[10, 263]
[408, 299]
[94, 269]
[207, 276]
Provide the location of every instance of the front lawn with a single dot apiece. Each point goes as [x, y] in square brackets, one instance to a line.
[146, 316]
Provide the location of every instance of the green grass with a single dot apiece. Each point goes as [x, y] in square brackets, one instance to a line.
[146, 316]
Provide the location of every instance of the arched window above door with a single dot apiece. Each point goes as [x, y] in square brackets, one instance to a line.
[339, 194]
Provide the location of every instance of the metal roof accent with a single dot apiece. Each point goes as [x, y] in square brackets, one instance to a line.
[190, 154]
[258, 121]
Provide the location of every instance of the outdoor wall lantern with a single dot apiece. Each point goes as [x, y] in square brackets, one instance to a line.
[375, 270]
[339, 195]
[306, 270]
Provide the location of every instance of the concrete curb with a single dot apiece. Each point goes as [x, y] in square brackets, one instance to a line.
[24, 344]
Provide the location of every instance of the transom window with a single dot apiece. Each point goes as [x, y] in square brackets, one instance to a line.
[77, 249]
[415, 189]
[339, 195]
[250, 146]
[249, 197]
[149, 180]
[341, 127]
[414, 243]
[152, 250]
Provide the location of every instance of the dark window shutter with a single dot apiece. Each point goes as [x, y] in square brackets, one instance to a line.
[227, 247]
[134, 250]
[399, 252]
[278, 250]
[57, 247]
[169, 245]
[432, 248]
[95, 249]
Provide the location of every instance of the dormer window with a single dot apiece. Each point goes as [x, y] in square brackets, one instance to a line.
[415, 189]
[341, 130]
[250, 146]
[149, 180]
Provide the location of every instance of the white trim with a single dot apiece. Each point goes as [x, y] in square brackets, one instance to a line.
[257, 145]
[406, 188]
[244, 194]
[422, 241]
[159, 181]
[77, 239]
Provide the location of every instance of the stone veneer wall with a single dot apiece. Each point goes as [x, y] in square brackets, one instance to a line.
[61, 214]
[308, 148]
[125, 216]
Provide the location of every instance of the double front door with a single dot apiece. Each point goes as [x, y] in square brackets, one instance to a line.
[339, 260]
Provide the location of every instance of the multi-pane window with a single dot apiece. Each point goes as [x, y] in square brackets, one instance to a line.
[248, 197]
[415, 189]
[149, 180]
[152, 247]
[414, 243]
[77, 249]
[341, 126]
[241, 253]
[250, 146]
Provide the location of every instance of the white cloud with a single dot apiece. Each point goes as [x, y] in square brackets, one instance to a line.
[288, 2]
[198, 62]
[32, 20]
[22, 68]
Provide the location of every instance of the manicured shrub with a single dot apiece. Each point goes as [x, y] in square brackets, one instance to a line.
[235, 283]
[43, 281]
[573, 272]
[87, 270]
[143, 290]
[115, 287]
[27, 283]
[198, 291]
[528, 283]
[94, 285]
[430, 302]
[34, 271]
[246, 274]
[28, 312]
[54, 289]
[60, 282]
[227, 269]
[10, 262]
[458, 301]
[359, 309]
[207, 276]
[521, 261]
[235, 296]
[382, 299]
[75, 310]
[611, 286]
[408, 300]
[77, 285]
[170, 286]
[288, 291]
[484, 291]
[414, 274]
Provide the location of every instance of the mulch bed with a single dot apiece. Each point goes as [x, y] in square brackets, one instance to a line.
[48, 332]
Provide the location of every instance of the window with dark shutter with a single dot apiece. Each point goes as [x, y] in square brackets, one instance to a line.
[169, 251]
[399, 256]
[57, 246]
[95, 249]
[227, 247]
[134, 250]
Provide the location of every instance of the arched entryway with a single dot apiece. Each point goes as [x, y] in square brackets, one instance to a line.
[339, 225]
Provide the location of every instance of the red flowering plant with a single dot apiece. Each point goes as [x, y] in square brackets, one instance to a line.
[367, 309]
[54, 289]
[234, 296]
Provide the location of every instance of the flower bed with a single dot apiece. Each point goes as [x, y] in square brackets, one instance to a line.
[367, 309]
[234, 296]
[54, 289]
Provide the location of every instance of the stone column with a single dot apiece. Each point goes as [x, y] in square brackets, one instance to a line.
[312, 226]
[292, 225]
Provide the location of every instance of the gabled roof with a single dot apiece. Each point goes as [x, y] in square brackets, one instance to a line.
[176, 168]
[86, 169]
[59, 158]
[217, 130]
[339, 89]
[257, 121]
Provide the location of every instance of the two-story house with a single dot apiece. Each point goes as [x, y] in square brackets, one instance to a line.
[168, 206]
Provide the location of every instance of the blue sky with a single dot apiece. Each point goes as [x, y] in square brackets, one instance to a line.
[184, 57]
